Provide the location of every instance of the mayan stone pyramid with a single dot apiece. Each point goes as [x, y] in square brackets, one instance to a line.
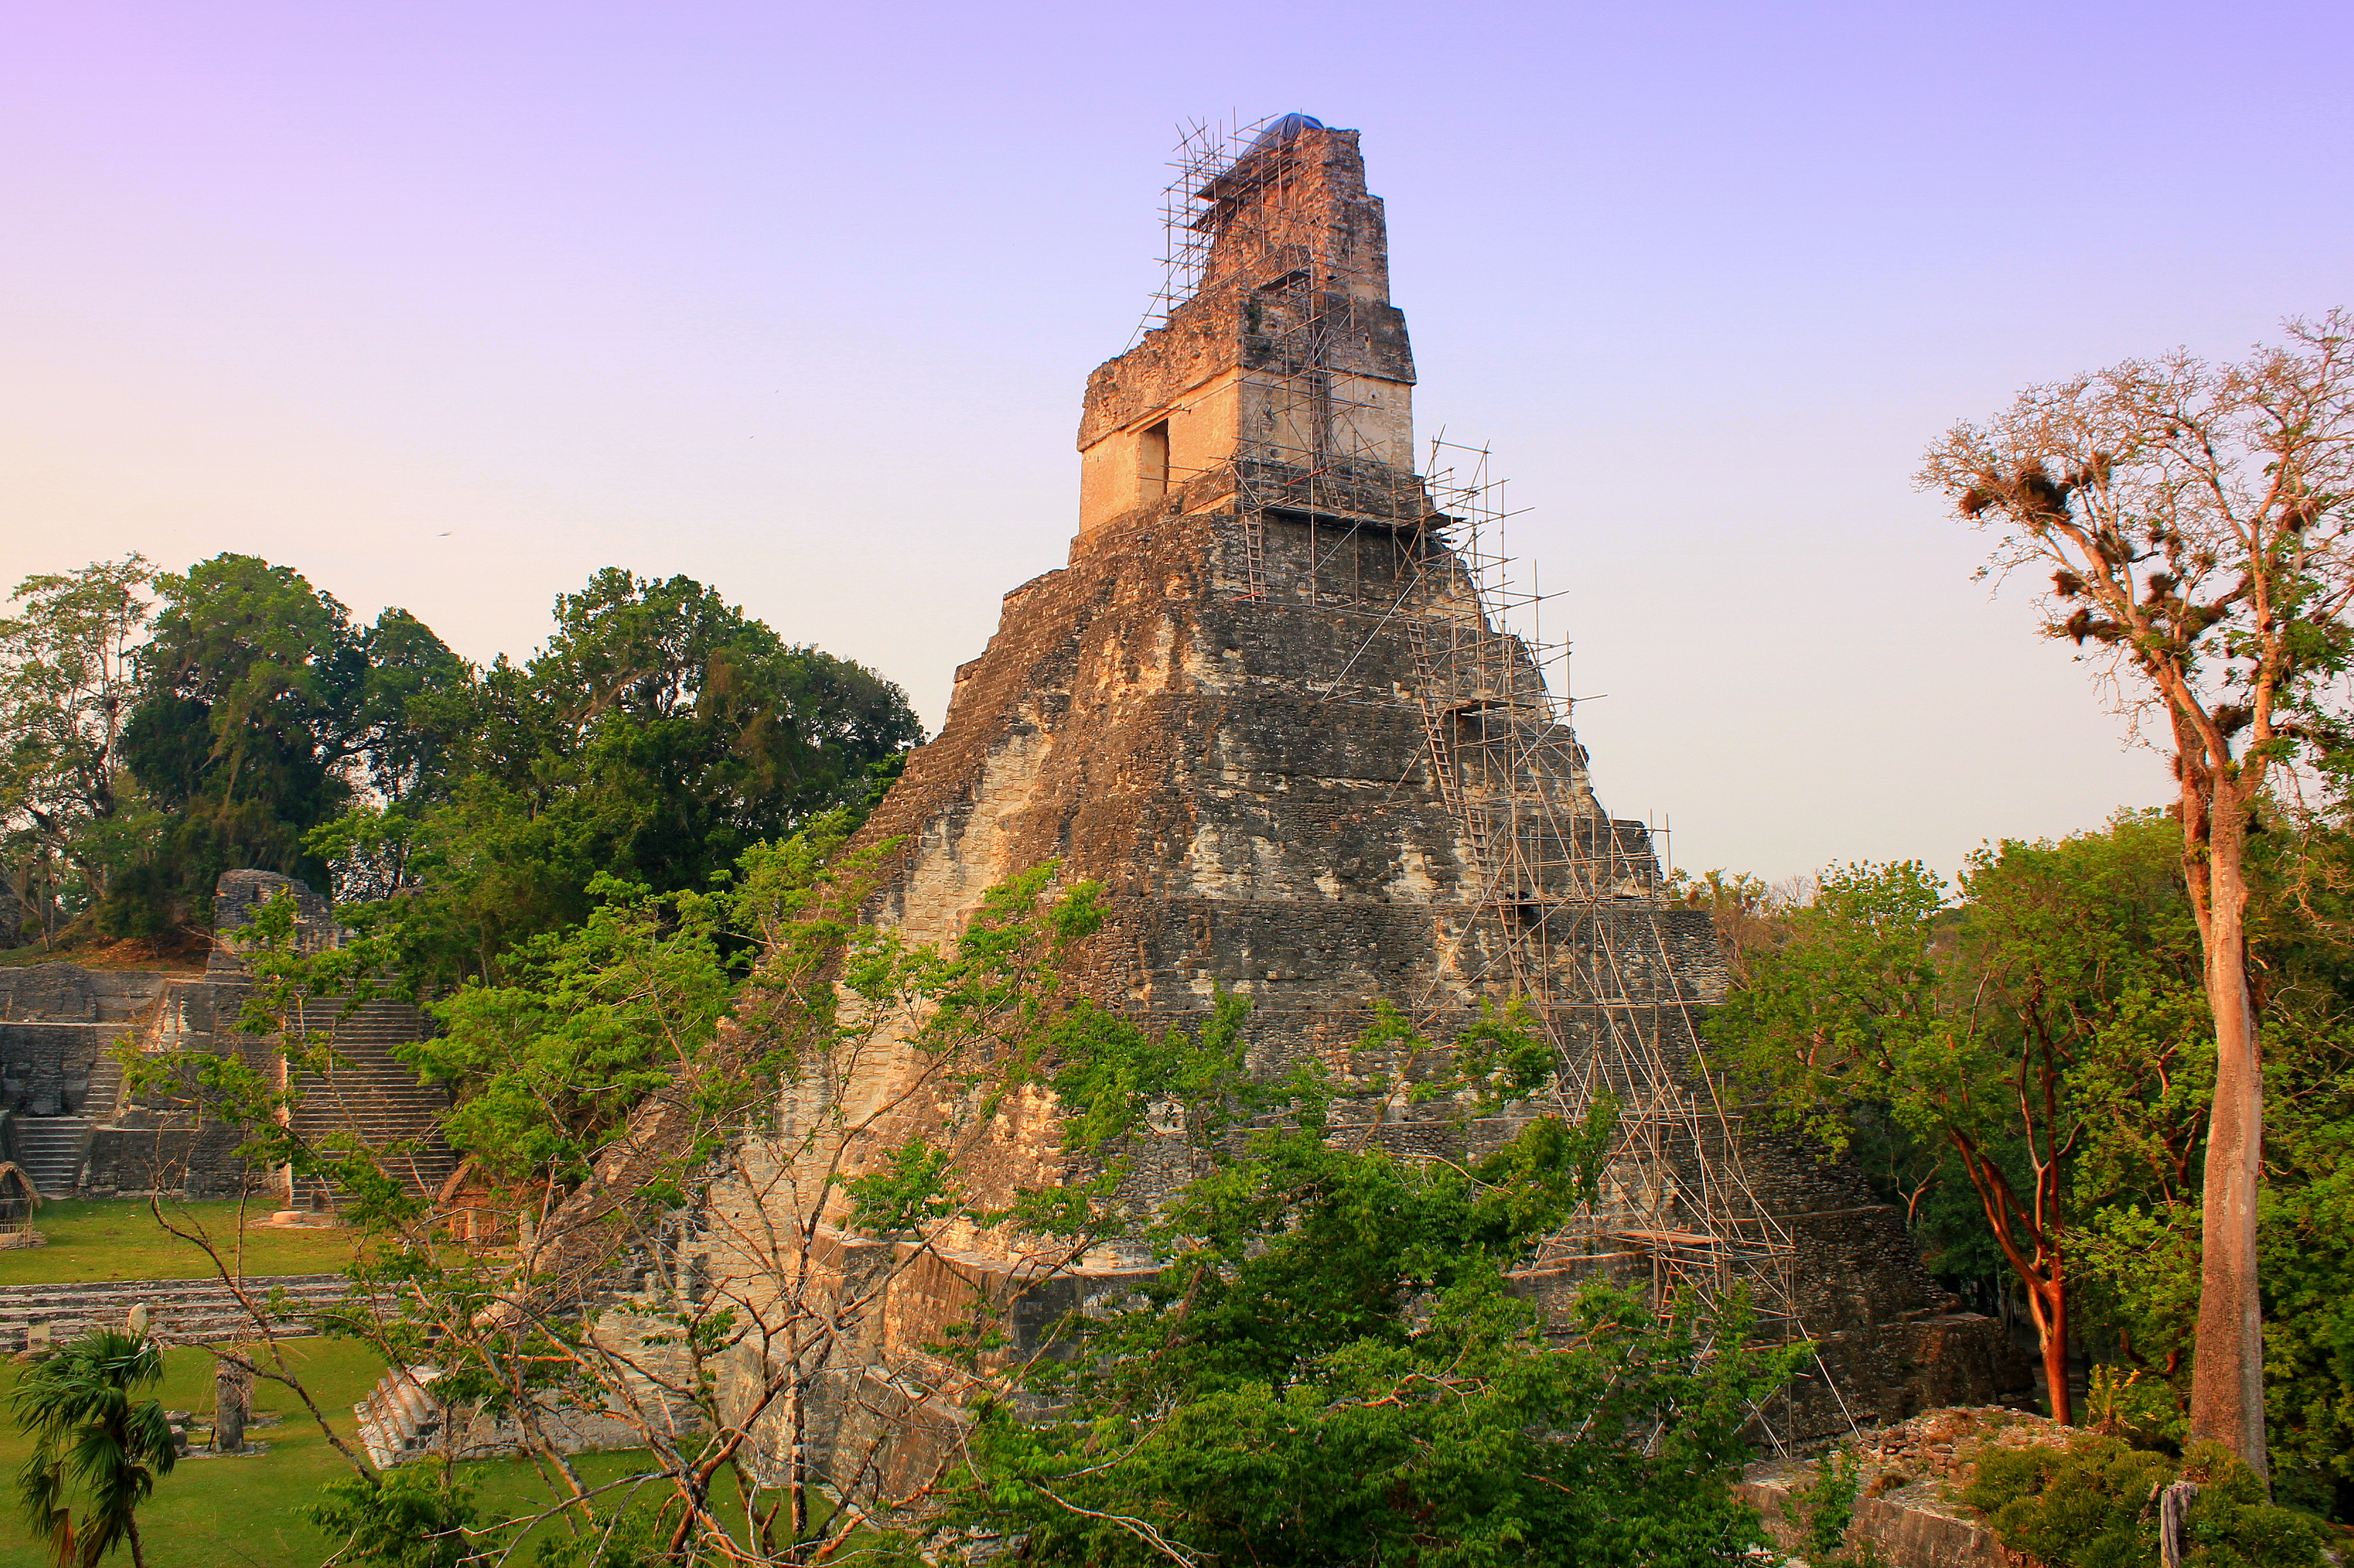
[1268, 707]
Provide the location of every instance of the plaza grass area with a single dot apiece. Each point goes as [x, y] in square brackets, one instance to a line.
[119, 1239]
[245, 1513]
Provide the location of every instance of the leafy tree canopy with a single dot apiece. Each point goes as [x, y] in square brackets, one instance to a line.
[660, 734]
[67, 686]
[265, 712]
[249, 721]
[2028, 1067]
[1329, 1369]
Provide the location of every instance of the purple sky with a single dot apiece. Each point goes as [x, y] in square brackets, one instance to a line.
[800, 300]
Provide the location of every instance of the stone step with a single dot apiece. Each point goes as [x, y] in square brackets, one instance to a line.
[368, 1095]
[181, 1310]
[100, 1310]
[80, 1290]
[401, 1416]
[100, 1099]
[170, 1327]
[50, 1150]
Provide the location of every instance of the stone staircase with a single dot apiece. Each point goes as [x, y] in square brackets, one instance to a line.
[102, 1097]
[372, 1096]
[401, 1418]
[179, 1310]
[49, 1149]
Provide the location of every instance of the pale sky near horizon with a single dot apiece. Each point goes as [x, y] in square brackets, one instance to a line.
[447, 305]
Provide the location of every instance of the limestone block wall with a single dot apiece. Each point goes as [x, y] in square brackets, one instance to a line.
[56, 1021]
[196, 1162]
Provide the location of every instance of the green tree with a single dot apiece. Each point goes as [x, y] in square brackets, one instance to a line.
[2043, 1038]
[2303, 948]
[264, 713]
[679, 731]
[2198, 524]
[1330, 1369]
[95, 1445]
[589, 1021]
[2141, 1249]
[67, 687]
[417, 1516]
[659, 734]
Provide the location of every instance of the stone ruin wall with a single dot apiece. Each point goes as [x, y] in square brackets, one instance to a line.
[56, 1021]
[1143, 722]
[69, 1117]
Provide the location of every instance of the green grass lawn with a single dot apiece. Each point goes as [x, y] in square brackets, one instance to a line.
[245, 1513]
[119, 1239]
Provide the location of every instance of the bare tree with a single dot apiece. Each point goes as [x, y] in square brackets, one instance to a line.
[747, 1281]
[2198, 523]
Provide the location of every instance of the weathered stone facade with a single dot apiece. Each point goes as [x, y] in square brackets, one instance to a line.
[1228, 710]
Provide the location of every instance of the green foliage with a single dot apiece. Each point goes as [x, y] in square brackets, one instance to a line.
[66, 687]
[1329, 1369]
[264, 712]
[633, 1003]
[417, 1515]
[2138, 1258]
[915, 1186]
[591, 1018]
[2304, 940]
[2043, 1048]
[96, 1444]
[1901, 1028]
[1825, 1506]
[660, 734]
[2082, 952]
[628, 1538]
[1342, 1310]
[2093, 1505]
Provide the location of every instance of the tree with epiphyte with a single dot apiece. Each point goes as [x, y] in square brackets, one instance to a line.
[2198, 523]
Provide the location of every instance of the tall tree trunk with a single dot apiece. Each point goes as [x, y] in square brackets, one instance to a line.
[138, 1556]
[2047, 1304]
[2227, 1380]
[2055, 1349]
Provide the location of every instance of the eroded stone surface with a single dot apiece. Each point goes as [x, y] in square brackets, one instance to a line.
[1910, 1476]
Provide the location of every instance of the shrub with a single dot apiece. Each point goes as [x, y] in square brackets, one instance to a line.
[1824, 1507]
[2094, 1504]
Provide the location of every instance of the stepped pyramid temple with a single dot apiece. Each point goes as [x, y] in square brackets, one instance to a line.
[1269, 706]
[1274, 707]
